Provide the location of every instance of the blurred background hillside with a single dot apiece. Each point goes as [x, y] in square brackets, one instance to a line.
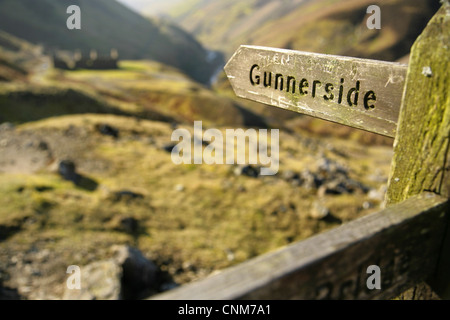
[86, 118]
[335, 27]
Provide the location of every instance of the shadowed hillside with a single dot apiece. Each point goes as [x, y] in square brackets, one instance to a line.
[325, 26]
[142, 89]
[18, 58]
[340, 28]
[135, 37]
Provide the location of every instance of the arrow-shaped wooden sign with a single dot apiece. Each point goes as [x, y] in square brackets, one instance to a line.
[360, 93]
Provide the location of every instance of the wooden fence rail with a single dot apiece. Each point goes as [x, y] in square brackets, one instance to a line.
[409, 240]
[333, 265]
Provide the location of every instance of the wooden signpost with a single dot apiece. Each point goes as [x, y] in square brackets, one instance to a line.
[360, 93]
[410, 239]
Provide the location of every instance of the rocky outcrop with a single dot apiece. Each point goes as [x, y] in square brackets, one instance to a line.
[67, 170]
[247, 170]
[127, 275]
[100, 280]
[329, 178]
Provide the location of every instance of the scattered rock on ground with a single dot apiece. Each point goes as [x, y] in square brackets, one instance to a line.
[126, 195]
[329, 168]
[22, 152]
[379, 194]
[330, 178]
[100, 280]
[341, 185]
[292, 177]
[127, 275]
[43, 146]
[139, 273]
[128, 225]
[67, 170]
[319, 210]
[6, 126]
[169, 147]
[309, 180]
[179, 187]
[108, 130]
[246, 170]
[8, 293]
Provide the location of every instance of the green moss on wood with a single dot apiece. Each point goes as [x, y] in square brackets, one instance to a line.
[421, 158]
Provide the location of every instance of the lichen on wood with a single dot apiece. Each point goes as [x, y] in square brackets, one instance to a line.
[421, 149]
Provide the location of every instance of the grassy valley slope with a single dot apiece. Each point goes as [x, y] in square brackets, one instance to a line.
[115, 126]
[325, 26]
[18, 58]
[135, 37]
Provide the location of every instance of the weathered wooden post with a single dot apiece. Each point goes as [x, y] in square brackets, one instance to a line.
[422, 145]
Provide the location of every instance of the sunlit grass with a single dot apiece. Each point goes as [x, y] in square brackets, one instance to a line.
[214, 220]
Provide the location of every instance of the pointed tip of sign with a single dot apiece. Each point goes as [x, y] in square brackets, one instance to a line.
[227, 66]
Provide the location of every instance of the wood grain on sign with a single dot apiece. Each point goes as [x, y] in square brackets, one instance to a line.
[333, 265]
[360, 93]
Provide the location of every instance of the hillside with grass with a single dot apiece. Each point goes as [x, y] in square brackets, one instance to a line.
[135, 37]
[18, 58]
[144, 89]
[191, 220]
[325, 26]
[86, 165]
[115, 127]
[152, 7]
